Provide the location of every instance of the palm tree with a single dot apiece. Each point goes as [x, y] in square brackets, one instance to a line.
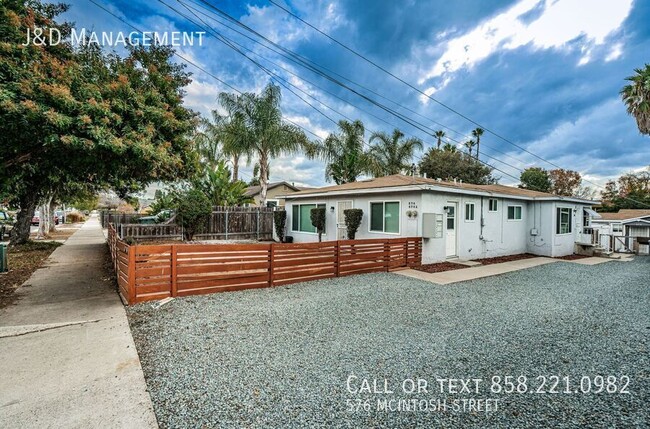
[343, 152]
[469, 144]
[261, 132]
[477, 133]
[392, 154]
[448, 147]
[636, 97]
[439, 135]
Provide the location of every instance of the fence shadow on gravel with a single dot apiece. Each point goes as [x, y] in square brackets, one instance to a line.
[151, 272]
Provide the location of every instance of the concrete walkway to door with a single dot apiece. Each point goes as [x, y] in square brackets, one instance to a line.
[67, 355]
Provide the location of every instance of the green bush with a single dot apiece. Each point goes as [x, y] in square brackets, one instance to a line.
[352, 221]
[317, 217]
[279, 221]
[192, 210]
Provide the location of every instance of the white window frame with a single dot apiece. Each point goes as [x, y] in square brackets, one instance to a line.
[619, 224]
[308, 204]
[473, 219]
[496, 201]
[276, 201]
[558, 217]
[399, 217]
[521, 211]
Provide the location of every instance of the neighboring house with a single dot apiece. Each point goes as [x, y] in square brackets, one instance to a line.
[456, 220]
[624, 223]
[274, 193]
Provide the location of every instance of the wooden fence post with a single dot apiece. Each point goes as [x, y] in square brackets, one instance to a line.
[337, 258]
[226, 224]
[271, 261]
[131, 275]
[258, 224]
[174, 271]
[387, 254]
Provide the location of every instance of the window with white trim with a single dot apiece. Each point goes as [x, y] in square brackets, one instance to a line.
[469, 212]
[617, 227]
[514, 212]
[493, 205]
[384, 216]
[563, 221]
[301, 217]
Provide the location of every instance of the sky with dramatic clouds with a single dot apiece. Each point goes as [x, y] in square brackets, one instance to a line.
[543, 74]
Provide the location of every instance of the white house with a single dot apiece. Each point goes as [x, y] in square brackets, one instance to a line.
[623, 225]
[456, 220]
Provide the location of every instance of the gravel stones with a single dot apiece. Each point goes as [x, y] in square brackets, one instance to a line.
[281, 357]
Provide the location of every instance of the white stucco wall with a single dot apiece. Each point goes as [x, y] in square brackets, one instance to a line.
[497, 236]
[408, 227]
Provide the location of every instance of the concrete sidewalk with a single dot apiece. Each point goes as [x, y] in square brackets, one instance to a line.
[464, 274]
[66, 350]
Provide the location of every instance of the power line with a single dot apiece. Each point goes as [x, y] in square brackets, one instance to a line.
[344, 46]
[271, 74]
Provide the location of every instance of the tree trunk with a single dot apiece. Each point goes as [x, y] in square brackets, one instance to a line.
[52, 210]
[20, 234]
[478, 146]
[264, 180]
[235, 168]
[43, 221]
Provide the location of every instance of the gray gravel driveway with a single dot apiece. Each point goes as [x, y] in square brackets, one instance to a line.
[297, 356]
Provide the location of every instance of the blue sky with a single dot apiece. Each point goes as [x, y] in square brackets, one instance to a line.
[544, 74]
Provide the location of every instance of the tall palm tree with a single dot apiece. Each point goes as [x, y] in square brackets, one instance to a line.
[439, 135]
[477, 133]
[262, 132]
[636, 97]
[392, 154]
[469, 144]
[343, 152]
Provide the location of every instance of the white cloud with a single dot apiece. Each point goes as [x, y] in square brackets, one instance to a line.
[559, 23]
[615, 53]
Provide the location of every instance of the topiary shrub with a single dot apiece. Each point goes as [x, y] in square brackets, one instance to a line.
[279, 221]
[192, 209]
[317, 217]
[352, 221]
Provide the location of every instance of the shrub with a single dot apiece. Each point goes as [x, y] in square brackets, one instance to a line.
[352, 221]
[74, 217]
[192, 208]
[317, 217]
[279, 221]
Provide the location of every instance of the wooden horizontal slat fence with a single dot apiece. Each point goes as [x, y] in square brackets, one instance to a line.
[149, 272]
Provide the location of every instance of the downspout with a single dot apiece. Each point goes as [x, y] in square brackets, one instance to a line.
[482, 221]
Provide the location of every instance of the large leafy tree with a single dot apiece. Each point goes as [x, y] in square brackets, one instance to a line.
[453, 164]
[83, 116]
[564, 182]
[636, 96]
[343, 152]
[263, 133]
[630, 191]
[535, 179]
[391, 154]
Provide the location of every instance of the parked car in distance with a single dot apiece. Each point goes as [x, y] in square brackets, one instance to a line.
[6, 224]
[161, 217]
[36, 219]
[59, 216]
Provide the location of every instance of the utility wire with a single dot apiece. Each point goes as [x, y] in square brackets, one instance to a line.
[282, 81]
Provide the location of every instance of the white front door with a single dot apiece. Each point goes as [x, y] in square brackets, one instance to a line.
[452, 213]
[342, 232]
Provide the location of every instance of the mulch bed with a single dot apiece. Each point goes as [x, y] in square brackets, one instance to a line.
[22, 261]
[62, 232]
[508, 258]
[572, 257]
[439, 267]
